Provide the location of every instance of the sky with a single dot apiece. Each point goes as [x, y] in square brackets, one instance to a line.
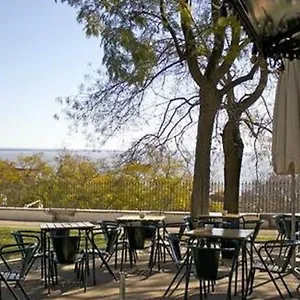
[44, 55]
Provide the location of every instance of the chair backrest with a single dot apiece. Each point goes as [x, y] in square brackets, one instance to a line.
[168, 227]
[257, 228]
[107, 226]
[279, 223]
[26, 250]
[23, 237]
[232, 223]
[215, 222]
[279, 253]
[113, 236]
[190, 222]
[174, 243]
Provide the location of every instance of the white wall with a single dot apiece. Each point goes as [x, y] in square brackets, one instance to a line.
[81, 215]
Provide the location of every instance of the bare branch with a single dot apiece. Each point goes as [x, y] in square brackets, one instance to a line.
[239, 80]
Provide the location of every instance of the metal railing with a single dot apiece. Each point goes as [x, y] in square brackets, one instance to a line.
[271, 196]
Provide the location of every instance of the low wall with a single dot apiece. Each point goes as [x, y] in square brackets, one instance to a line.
[92, 215]
[76, 215]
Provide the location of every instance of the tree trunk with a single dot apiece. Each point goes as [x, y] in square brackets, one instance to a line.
[233, 148]
[209, 106]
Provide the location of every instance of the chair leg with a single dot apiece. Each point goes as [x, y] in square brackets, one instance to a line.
[285, 285]
[116, 258]
[22, 289]
[122, 258]
[131, 257]
[11, 290]
[204, 288]
[213, 286]
[42, 268]
[249, 288]
[152, 256]
[228, 296]
[276, 285]
[200, 289]
[50, 269]
[29, 267]
[167, 250]
[236, 277]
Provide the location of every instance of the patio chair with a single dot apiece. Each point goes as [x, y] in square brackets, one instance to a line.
[280, 226]
[23, 237]
[15, 270]
[250, 246]
[111, 246]
[107, 226]
[208, 268]
[191, 223]
[274, 259]
[170, 228]
[205, 220]
[174, 247]
[229, 245]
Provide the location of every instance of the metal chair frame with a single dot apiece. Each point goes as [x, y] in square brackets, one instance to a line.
[11, 275]
[274, 259]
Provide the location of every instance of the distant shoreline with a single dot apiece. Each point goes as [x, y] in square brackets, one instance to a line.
[12, 154]
[54, 150]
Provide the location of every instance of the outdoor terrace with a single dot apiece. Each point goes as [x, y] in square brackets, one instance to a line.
[139, 286]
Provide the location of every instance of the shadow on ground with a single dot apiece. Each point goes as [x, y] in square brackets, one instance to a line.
[140, 285]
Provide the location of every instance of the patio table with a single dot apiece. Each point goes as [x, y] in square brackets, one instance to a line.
[218, 234]
[87, 227]
[154, 220]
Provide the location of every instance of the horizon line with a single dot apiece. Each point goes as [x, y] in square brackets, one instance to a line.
[54, 149]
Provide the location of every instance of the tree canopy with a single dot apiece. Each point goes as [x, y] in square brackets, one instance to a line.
[176, 60]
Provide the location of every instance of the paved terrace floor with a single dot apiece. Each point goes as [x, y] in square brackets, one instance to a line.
[139, 286]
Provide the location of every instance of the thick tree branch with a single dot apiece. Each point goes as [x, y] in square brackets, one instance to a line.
[239, 80]
[166, 23]
[190, 48]
[246, 103]
[232, 53]
[219, 41]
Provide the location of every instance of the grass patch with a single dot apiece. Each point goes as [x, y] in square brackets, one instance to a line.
[7, 238]
[267, 235]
